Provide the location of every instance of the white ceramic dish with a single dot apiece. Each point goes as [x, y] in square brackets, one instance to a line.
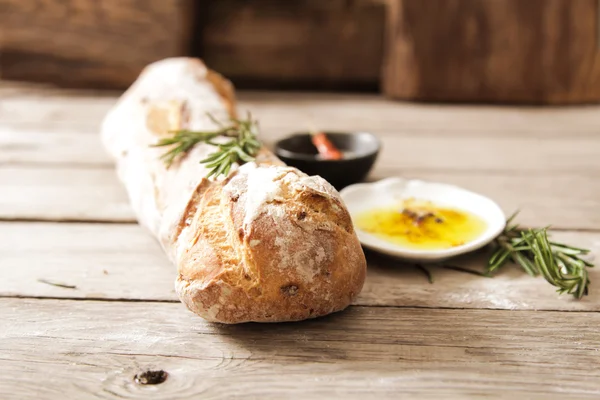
[366, 196]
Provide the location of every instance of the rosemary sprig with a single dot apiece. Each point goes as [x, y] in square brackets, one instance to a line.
[183, 142]
[242, 147]
[560, 264]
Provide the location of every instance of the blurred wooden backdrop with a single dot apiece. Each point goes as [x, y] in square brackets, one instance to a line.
[511, 51]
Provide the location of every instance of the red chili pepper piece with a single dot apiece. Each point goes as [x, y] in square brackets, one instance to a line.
[326, 149]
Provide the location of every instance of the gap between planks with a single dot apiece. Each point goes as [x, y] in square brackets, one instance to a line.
[407, 150]
[123, 261]
[165, 301]
[134, 222]
[66, 194]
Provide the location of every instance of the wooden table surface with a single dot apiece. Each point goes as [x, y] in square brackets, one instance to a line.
[65, 218]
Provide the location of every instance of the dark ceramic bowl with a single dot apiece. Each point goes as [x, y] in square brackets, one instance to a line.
[360, 151]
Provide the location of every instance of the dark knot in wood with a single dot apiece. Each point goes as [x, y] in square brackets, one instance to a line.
[151, 377]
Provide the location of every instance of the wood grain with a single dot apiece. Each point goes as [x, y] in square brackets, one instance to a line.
[93, 350]
[104, 44]
[27, 106]
[88, 193]
[523, 154]
[407, 151]
[34, 107]
[304, 43]
[462, 337]
[114, 261]
[21, 147]
[536, 51]
[63, 194]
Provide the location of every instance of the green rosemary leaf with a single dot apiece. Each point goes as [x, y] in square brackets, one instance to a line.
[498, 259]
[220, 168]
[227, 168]
[526, 263]
[587, 263]
[242, 147]
[521, 248]
[570, 249]
[563, 267]
[424, 270]
[512, 218]
[215, 159]
[214, 120]
[244, 156]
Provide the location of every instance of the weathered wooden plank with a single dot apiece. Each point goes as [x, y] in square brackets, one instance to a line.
[102, 260]
[80, 349]
[535, 51]
[96, 348]
[567, 201]
[409, 150]
[374, 113]
[41, 108]
[19, 146]
[64, 193]
[303, 43]
[44, 109]
[115, 261]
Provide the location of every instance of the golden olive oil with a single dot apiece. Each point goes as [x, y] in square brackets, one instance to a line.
[421, 225]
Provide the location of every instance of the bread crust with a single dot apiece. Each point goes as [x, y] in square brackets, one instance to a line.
[265, 244]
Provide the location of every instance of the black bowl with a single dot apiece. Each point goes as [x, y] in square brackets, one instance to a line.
[360, 151]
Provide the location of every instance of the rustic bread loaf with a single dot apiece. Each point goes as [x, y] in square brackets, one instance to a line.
[267, 243]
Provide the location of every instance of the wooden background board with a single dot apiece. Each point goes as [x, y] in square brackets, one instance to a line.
[64, 218]
[335, 44]
[509, 51]
[302, 43]
[535, 51]
[84, 43]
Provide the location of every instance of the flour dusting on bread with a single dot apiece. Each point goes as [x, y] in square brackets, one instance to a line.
[262, 188]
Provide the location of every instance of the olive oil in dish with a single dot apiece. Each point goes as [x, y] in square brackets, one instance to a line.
[422, 225]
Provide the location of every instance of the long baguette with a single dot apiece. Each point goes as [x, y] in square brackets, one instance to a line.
[267, 243]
